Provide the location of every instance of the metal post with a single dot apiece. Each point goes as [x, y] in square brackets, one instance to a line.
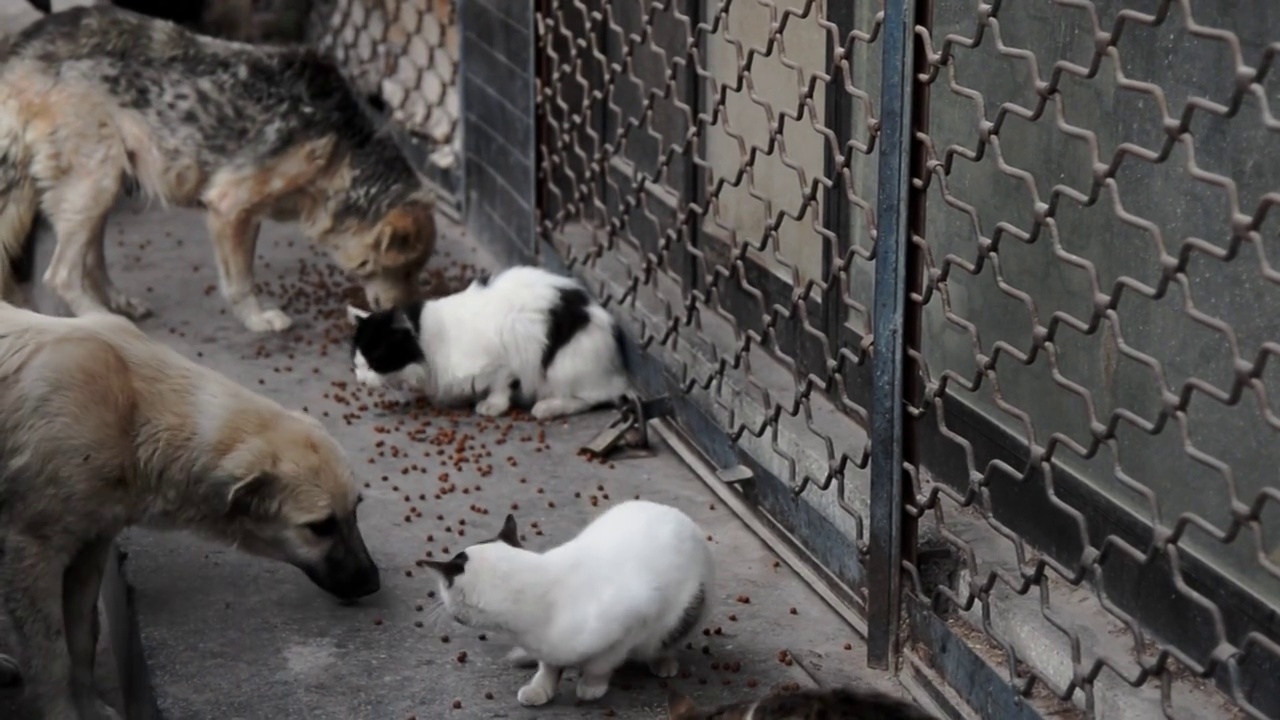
[838, 209]
[884, 570]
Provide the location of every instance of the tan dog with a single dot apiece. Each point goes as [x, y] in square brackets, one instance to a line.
[93, 96]
[102, 428]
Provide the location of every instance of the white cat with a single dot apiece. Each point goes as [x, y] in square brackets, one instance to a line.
[632, 585]
[526, 333]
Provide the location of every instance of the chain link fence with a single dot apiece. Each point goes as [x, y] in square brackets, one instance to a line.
[1055, 214]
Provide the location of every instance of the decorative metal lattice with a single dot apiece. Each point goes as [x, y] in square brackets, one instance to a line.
[403, 55]
[1090, 500]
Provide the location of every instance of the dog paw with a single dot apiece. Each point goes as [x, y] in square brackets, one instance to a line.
[128, 306]
[9, 673]
[491, 407]
[519, 657]
[268, 321]
[533, 695]
[664, 667]
[590, 689]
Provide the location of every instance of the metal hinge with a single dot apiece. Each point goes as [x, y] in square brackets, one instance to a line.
[628, 435]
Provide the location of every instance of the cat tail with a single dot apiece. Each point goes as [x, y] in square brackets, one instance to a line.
[620, 342]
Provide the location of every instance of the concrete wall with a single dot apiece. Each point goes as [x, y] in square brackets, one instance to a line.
[498, 121]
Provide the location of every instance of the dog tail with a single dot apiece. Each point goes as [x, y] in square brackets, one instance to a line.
[43, 6]
[18, 204]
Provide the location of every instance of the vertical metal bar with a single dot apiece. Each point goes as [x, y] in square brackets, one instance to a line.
[838, 209]
[884, 572]
[695, 178]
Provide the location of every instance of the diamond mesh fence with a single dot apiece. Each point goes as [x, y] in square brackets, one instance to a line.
[403, 56]
[1091, 508]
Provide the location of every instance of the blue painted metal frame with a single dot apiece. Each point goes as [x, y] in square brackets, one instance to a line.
[892, 225]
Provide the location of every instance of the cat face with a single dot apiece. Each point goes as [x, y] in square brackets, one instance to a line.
[385, 349]
[466, 578]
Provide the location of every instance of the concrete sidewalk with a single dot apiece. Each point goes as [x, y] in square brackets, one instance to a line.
[227, 636]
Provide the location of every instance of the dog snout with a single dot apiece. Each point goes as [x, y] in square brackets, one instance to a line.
[385, 293]
[347, 572]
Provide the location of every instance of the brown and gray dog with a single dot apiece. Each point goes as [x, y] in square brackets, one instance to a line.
[102, 428]
[94, 95]
[244, 20]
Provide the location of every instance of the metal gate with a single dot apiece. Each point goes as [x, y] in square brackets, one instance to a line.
[968, 297]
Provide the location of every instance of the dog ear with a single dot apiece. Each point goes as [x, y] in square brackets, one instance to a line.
[254, 497]
[680, 705]
[510, 534]
[408, 233]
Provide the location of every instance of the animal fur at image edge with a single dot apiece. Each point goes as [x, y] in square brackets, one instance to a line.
[243, 20]
[102, 428]
[94, 95]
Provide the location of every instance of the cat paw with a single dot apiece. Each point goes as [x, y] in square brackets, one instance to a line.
[10, 675]
[267, 321]
[664, 667]
[127, 305]
[533, 695]
[493, 407]
[551, 408]
[519, 657]
[590, 689]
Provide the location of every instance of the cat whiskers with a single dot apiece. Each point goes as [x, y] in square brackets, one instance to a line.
[438, 612]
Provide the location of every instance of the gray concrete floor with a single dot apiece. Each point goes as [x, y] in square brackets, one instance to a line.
[228, 636]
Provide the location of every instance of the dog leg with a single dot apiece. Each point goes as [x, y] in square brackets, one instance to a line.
[80, 588]
[67, 274]
[235, 239]
[31, 584]
[96, 270]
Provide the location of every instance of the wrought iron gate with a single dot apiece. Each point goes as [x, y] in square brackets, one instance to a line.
[974, 292]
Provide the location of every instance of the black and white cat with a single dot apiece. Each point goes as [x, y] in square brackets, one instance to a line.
[526, 333]
[632, 585]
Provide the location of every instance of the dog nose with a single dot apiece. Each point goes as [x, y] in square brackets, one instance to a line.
[371, 583]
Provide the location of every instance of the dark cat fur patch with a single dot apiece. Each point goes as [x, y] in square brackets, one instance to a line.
[688, 620]
[620, 341]
[566, 318]
[388, 339]
[509, 534]
[836, 704]
[451, 568]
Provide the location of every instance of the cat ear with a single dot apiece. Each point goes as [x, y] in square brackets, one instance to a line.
[510, 534]
[680, 705]
[450, 569]
[355, 314]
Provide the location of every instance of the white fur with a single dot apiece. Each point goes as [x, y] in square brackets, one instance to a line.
[615, 592]
[486, 336]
